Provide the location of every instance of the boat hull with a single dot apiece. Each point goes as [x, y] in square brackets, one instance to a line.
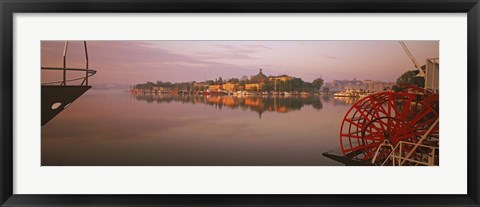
[56, 98]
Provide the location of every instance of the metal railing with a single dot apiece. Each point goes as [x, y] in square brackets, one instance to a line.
[64, 69]
[399, 158]
[397, 154]
[64, 81]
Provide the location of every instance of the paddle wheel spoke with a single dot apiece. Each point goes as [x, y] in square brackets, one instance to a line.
[379, 122]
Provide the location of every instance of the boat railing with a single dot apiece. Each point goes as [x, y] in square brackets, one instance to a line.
[398, 156]
[88, 72]
[64, 81]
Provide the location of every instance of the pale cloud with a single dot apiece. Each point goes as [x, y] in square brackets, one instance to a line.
[331, 57]
[257, 46]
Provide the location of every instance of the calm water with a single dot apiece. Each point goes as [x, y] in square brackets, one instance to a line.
[111, 127]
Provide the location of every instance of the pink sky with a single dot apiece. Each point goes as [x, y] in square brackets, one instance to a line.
[177, 61]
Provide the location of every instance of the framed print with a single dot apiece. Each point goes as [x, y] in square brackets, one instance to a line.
[239, 103]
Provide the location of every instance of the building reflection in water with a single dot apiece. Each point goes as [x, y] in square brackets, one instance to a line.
[182, 130]
[341, 101]
[259, 104]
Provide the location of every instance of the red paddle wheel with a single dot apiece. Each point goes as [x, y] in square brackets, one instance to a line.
[374, 127]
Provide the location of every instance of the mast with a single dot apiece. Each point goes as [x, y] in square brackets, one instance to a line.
[414, 60]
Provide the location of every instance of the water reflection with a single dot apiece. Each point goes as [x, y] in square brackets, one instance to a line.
[182, 130]
[260, 104]
[340, 101]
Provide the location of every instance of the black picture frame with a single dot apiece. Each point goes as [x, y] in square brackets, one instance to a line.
[10, 7]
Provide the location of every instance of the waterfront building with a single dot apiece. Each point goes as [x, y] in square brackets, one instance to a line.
[253, 86]
[256, 82]
[283, 78]
[259, 78]
[215, 87]
[378, 86]
[230, 86]
[368, 85]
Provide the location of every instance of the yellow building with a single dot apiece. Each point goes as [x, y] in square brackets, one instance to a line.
[215, 87]
[230, 86]
[253, 86]
[283, 78]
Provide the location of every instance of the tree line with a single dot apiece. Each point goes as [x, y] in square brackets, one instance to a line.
[294, 84]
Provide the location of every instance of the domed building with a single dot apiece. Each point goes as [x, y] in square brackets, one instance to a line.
[259, 78]
[256, 82]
